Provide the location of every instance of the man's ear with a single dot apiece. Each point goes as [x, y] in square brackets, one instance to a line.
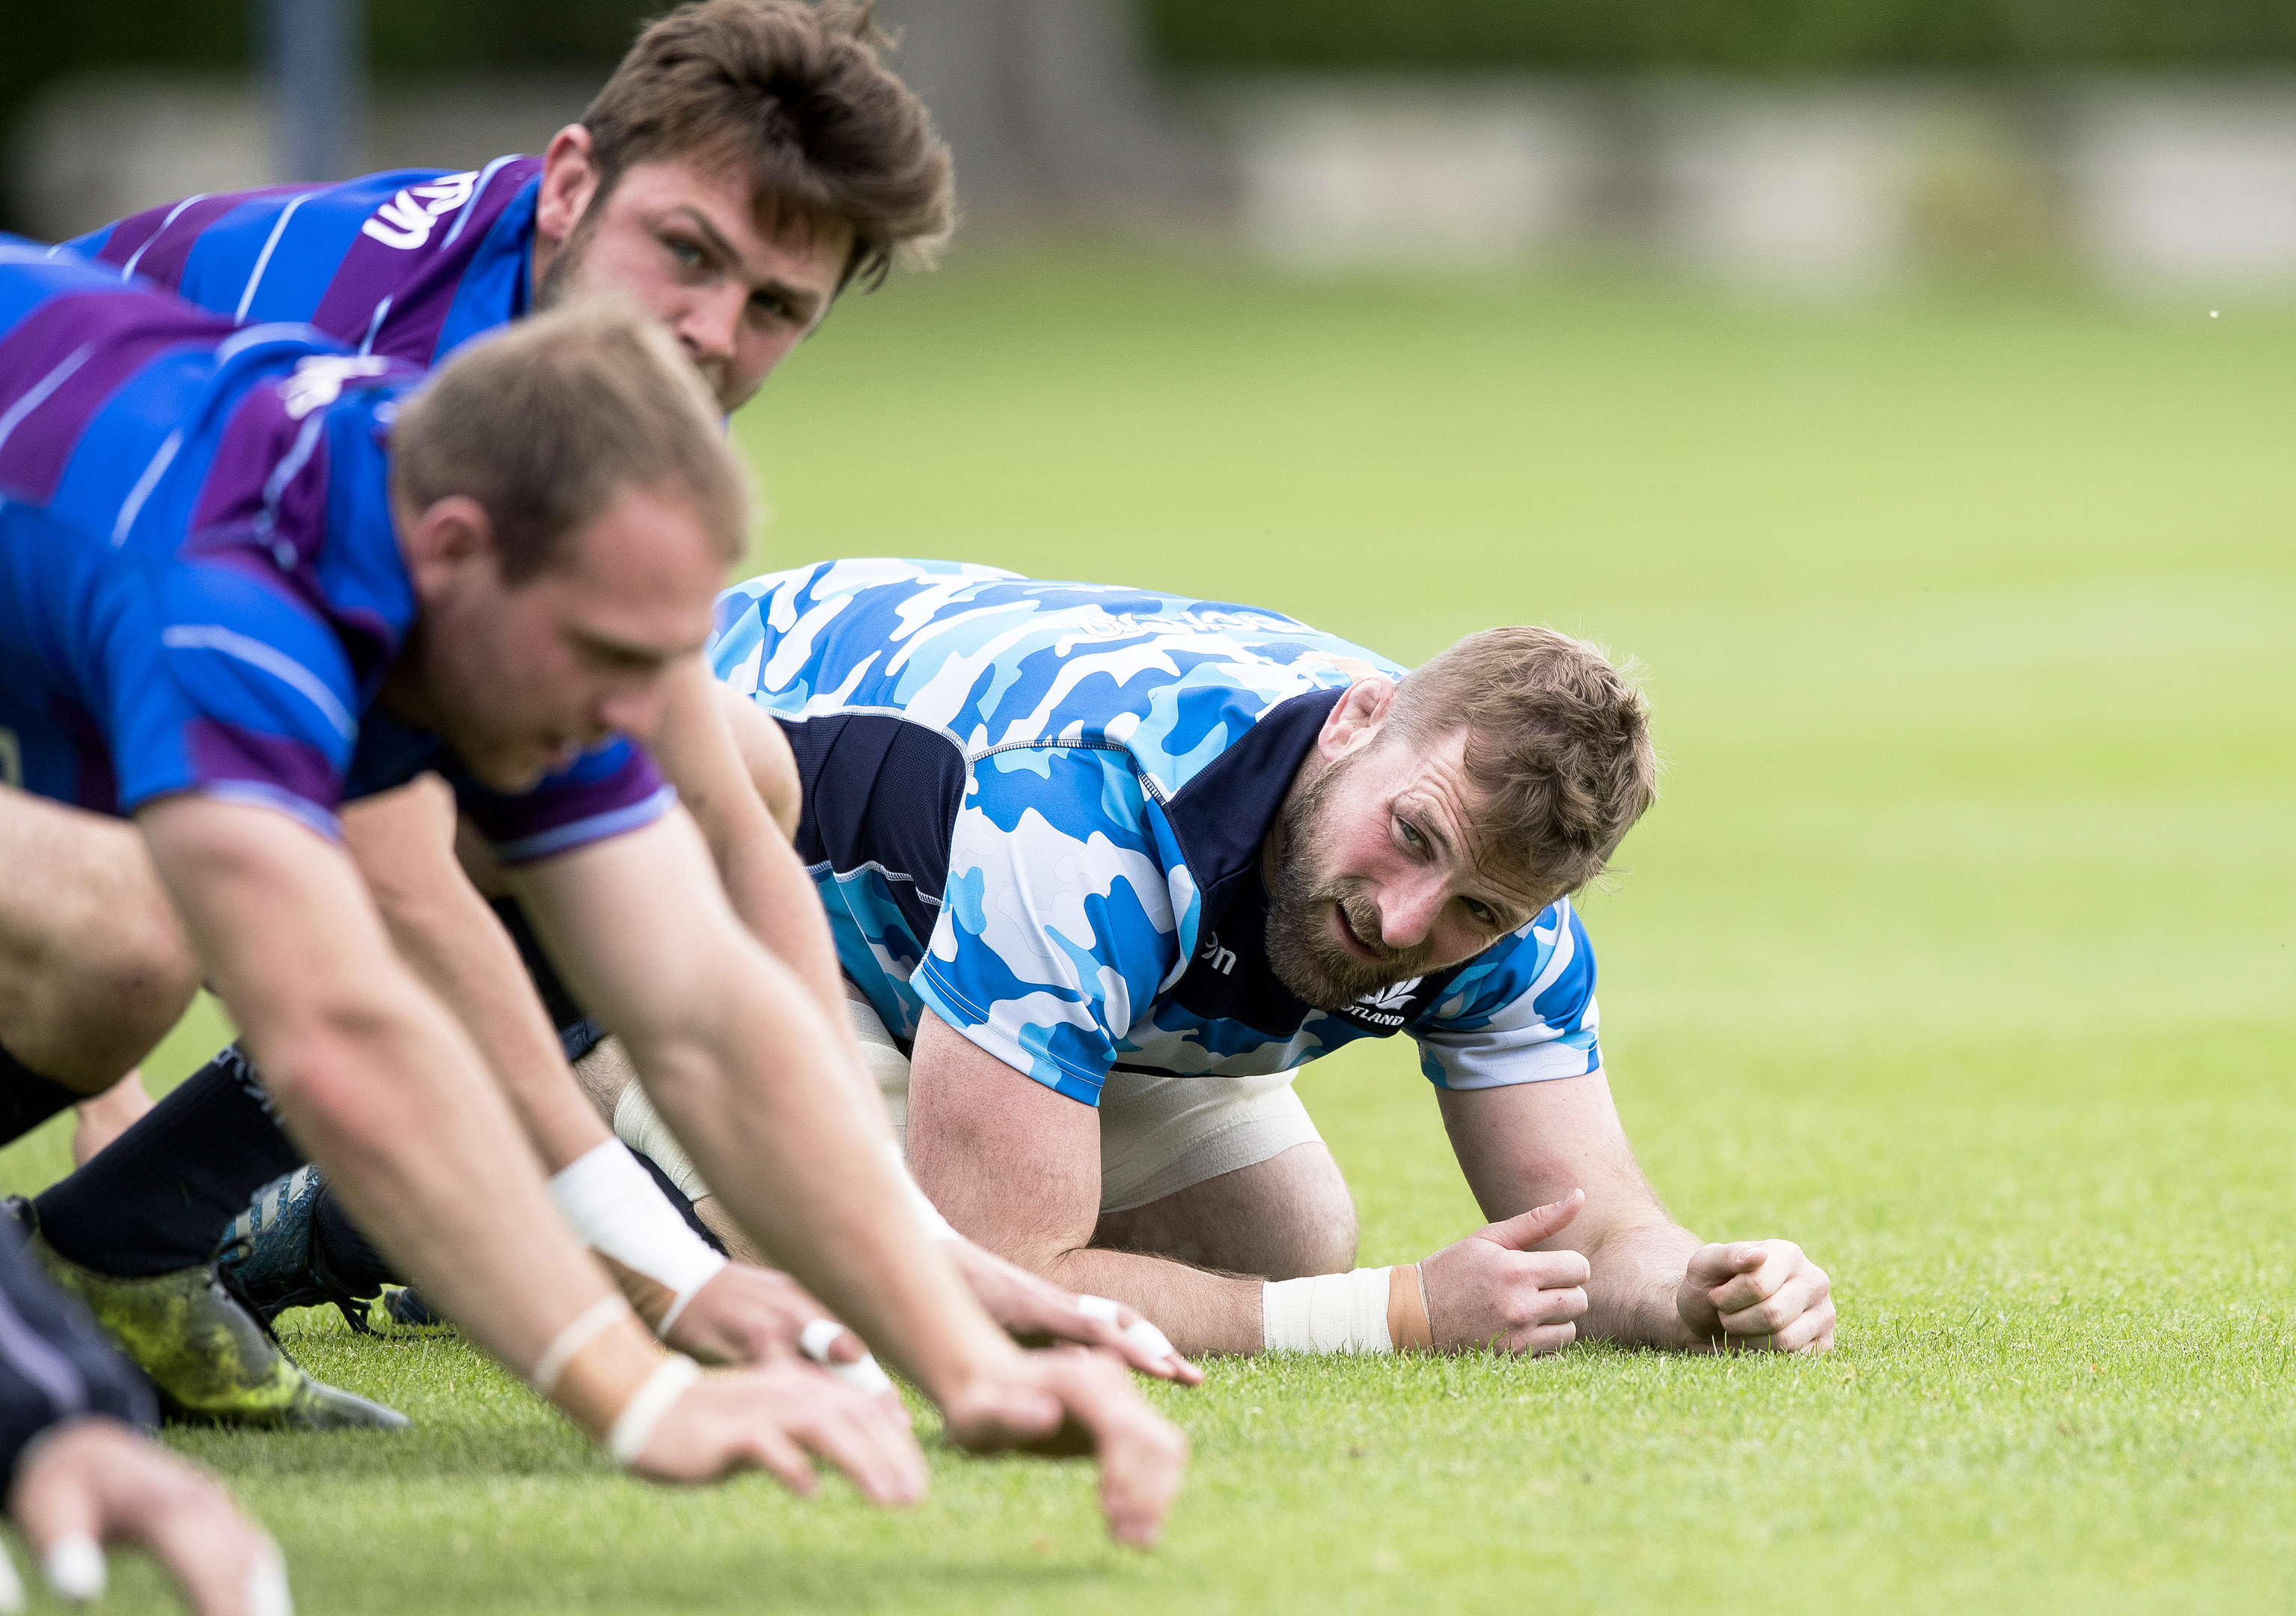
[570, 182]
[1353, 723]
[444, 545]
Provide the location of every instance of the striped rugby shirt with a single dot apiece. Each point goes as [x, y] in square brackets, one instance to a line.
[1036, 809]
[409, 264]
[201, 587]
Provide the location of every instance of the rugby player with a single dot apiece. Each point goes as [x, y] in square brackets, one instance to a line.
[1109, 866]
[748, 160]
[319, 581]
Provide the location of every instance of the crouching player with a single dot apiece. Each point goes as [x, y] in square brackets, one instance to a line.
[244, 575]
[748, 160]
[1109, 866]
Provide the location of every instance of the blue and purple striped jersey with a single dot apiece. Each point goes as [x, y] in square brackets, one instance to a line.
[201, 587]
[409, 264]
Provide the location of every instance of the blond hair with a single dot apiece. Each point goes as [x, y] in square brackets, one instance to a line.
[1558, 745]
[546, 421]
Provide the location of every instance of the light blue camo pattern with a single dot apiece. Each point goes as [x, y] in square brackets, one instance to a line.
[1070, 910]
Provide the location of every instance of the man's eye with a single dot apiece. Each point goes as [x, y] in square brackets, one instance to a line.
[1484, 915]
[686, 252]
[1411, 833]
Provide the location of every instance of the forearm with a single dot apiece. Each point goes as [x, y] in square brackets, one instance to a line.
[1637, 1267]
[777, 903]
[449, 937]
[758, 1094]
[1199, 1310]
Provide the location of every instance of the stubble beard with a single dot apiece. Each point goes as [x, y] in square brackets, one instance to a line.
[1306, 957]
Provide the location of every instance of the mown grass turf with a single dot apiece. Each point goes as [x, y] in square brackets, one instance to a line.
[1960, 951]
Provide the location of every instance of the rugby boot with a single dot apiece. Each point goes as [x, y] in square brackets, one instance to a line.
[272, 1259]
[209, 1360]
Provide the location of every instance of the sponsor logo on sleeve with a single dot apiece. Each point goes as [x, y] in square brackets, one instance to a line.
[407, 221]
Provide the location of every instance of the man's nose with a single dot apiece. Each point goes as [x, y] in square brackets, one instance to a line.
[1407, 911]
[712, 322]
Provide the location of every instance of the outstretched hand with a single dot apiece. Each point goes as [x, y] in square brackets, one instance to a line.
[1066, 1402]
[95, 1481]
[1756, 1295]
[1493, 1289]
[1036, 1311]
[771, 1417]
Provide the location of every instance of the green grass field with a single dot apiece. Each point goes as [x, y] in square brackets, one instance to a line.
[1959, 950]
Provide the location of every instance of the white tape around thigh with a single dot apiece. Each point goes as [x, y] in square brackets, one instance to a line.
[1326, 1313]
[862, 1374]
[641, 1417]
[620, 1212]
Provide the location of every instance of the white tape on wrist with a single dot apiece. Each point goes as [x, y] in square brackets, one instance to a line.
[592, 1322]
[936, 1226]
[639, 1125]
[1326, 1313]
[620, 1212]
[862, 1374]
[641, 1417]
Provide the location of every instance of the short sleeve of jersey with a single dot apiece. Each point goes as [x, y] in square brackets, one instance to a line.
[233, 688]
[606, 791]
[1058, 924]
[1522, 1013]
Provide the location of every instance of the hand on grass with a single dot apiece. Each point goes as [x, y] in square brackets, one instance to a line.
[1069, 1402]
[1038, 1311]
[752, 1315]
[772, 1418]
[1493, 1290]
[95, 1480]
[1756, 1295]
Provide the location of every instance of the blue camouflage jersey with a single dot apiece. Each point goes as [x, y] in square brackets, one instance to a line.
[1037, 808]
[201, 587]
[409, 264]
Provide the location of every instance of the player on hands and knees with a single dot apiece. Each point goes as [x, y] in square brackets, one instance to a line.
[748, 160]
[1112, 865]
[324, 581]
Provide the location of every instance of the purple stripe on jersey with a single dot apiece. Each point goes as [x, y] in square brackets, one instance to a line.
[160, 253]
[402, 253]
[59, 366]
[218, 752]
[95, 786]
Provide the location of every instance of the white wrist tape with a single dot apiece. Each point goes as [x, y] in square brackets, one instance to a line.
[862, 1374]
[639, 1125]
[936, 1226]
[592, 1322]
[621, 1212]
[1140, 1335]
[1326, 1313]
[634, 1426]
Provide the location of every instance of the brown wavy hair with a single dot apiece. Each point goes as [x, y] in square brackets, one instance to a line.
[799, 97]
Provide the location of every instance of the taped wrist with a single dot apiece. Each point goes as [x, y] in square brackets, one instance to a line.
[639, 1125]
[614, 1207]
[1372, 1309]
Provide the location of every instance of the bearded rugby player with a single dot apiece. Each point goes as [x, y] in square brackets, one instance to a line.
[1109, 866]
[746, 162]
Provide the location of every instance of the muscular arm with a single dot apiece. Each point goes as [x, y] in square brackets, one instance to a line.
[404, 841]
[375, 1078]
[750, 1074]
[733, 771]
[1016, 1166]
[1533, 1142]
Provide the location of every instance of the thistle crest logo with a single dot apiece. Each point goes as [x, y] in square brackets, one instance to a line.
[1385, 1007]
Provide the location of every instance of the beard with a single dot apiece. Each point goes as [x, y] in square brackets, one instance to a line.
[558, 280]
[1306, 957]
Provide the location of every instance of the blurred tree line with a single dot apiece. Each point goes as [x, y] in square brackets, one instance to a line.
[1764, 37]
